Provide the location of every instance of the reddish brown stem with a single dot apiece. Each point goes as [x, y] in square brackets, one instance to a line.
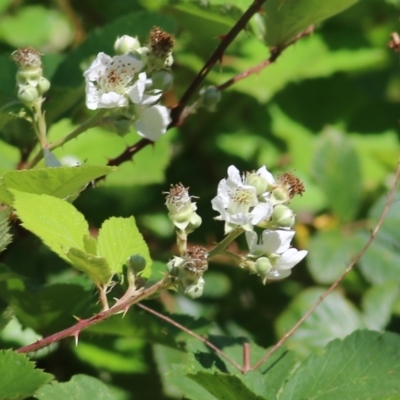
[275, 53]
[191, 333]
[214, 58]
[85, 323]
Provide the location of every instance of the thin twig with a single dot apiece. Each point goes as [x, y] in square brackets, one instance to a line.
[341, 277]
[191, 333]
[275, 53]
[213, 59]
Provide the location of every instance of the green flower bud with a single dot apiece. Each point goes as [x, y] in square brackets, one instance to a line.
[194, 223]
[280, 195]
[210, 97]
[29, 77]
[196, 290]
[169, 61]
[283, 216]
[173, 266]
[43, 85]
[136, 263]
[162, 80]
[126, 44]
[258, 182]
[263, 266]
[28, 95]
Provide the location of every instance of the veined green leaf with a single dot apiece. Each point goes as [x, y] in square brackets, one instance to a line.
[120, 238]
[56, 222]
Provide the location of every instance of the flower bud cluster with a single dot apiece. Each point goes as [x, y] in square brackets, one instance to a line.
[30, 80]
[133, 82]
[187, 271]
[256, 199]
[181, 209]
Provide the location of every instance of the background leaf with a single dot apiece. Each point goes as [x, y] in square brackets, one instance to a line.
[284, 19]
[336, 169]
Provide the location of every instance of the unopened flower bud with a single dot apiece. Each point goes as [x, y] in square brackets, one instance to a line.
[28, 95]
[210, 97]
[136, 263]
[43, 85]
[280, 195]
[162, 80]
[258, 182]
[126, 44]
[196, 290]
[29, 77]
[263, 266]
[169, 61]
[283, 216]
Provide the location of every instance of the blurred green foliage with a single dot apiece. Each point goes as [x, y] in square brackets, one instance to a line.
[327, 109]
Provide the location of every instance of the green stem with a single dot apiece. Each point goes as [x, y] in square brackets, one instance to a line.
[223, 244]
[75, 133]
[39, 124]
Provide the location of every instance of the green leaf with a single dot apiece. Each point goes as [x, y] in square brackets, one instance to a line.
[336, 169]
[334, 318]
[284, 19]
[50, 308]
[98, 144]
[56, 222]
[224, 386]
[19, 378]
[78, 388]
[57, 181]
[329, 254]
[377, 304]
[119, 238]
[49, 24]
[97, 268]
[365, 365]
[384, 250]
[5, 237]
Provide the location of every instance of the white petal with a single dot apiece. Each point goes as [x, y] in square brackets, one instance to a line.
[135, 91]
[111, 100]
[252, 241]
[290, 258]
[263, 172]
[276, 241]
[153, 122]
[261, 212]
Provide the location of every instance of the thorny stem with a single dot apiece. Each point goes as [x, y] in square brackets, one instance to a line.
[85, 323]
[341, 277]
[75, 133]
